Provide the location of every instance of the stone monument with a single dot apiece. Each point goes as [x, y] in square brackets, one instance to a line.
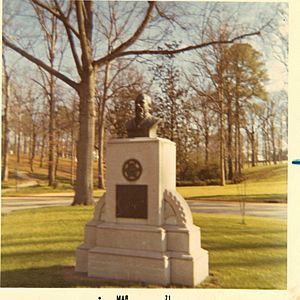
[142, 229]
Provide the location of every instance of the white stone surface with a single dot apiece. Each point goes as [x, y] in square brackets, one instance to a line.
[139, 266]
[189, 270]
[135, 237]
[185, 240]
[158, 159]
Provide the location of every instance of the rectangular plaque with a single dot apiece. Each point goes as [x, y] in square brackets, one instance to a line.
[132, 201]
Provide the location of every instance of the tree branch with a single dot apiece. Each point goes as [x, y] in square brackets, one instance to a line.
[41, 85]
[71, 41]
[119, 70]
[59, 16]
[174, 51]
[40, 63]
[119, 50]
[85, 46]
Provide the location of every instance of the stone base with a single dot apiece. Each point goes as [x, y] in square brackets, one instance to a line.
[143, 253]
[82, 258]
[130, 265]
[189, 270]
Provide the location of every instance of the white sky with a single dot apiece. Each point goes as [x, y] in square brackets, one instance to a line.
[248, 13]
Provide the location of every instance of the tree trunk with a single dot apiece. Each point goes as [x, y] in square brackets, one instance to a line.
[73, 155]
[42, 150]
[85, 146]
[51, 155]
[248, 152]
[229, 141]
[4, 175]
[253, 148]
[257, 145]
[206, 148]
[273, 142]
[280, 154]
[73, 145]
[15, 140]
[101, 181]
[239, 148]
[57, 149]
[33, 148]
[101, 131]
[222, 158]
[19, 144]
[237, 165]
[206, 132]
[24, 144]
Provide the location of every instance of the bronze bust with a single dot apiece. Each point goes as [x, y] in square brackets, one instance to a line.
[143, 124]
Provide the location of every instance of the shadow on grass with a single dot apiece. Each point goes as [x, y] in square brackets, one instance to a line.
[66, 277]
[44, 177]
[58, 277]
[37, 255]
[243, 247]
[39, 242]
[264, 261]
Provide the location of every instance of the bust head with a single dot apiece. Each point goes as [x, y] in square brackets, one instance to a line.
[143, 124]
[142, 107]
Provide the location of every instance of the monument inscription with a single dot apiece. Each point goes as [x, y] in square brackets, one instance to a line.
[132, 201]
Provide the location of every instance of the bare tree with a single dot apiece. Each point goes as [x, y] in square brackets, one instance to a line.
[77, 19]
[49, 29]
[213, 65]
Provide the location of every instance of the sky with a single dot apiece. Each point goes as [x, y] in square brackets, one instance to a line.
[248, 13]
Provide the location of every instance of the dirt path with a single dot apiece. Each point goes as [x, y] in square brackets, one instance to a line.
[23, 176]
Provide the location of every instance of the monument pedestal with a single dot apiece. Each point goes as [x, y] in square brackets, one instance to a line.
[142, 228]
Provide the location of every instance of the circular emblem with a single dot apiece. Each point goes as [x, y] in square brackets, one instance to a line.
[132, 169]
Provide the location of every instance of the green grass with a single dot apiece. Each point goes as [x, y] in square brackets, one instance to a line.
[269, 173]
[250, 256]
[263, 183]
[38, 250]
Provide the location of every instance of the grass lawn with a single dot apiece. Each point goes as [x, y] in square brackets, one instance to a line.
[263, 183]
[38, 250]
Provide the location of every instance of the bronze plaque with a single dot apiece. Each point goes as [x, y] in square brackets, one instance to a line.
[132, 201]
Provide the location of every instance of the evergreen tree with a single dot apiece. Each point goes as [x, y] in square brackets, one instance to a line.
[245, 78]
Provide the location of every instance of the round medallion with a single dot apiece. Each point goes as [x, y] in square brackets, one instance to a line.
[132, 169]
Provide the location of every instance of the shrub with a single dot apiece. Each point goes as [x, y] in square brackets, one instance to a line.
[209, 172]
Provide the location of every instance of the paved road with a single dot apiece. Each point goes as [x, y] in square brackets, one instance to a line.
[274, 210]
[9, 204]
